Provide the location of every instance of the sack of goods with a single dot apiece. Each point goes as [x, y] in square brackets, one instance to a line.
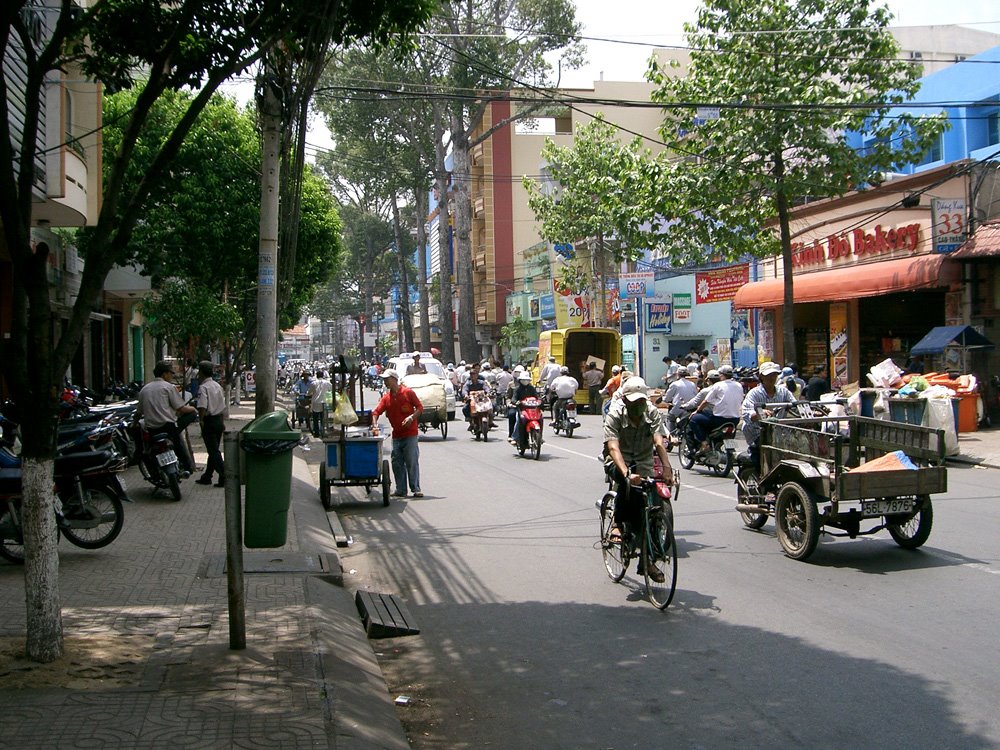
[480, 402]
[429, 389]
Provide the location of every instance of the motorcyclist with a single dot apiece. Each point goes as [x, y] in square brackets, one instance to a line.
[523, 390]
[633, 430]
[613, 384]
[564, 387]
[549, 373]
[725, 397]
[160, 403]
[752, 410]
[475, 382]
[680, 391]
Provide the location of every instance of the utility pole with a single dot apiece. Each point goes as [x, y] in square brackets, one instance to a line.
[267, 313]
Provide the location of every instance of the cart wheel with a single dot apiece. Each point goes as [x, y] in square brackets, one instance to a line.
[444, 429]
[385, 483]
[913, 531]
[324, 487]
[797, 521]
[748, 475]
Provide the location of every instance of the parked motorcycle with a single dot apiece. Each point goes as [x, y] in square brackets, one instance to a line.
[721, 451]
[89, 494]
[480, 414]
[564, 417]
[530, 435]
[154, 453]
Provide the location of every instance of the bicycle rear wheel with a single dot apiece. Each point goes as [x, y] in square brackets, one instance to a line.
[659, 554]
[612, 551]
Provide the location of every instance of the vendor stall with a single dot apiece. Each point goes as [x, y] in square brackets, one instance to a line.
[950, 346]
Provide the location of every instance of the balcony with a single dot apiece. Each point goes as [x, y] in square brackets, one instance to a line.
[478, 206]
[480, 259]
[476, 154]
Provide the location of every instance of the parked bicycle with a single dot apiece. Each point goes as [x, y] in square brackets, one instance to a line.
[653, 544]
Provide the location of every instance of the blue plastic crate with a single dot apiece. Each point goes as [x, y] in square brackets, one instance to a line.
[362, 457]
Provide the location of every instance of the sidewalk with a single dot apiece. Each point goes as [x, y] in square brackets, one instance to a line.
[148, 663]
[981, 448]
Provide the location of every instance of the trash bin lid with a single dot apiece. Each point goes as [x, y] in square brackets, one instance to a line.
[271, 426]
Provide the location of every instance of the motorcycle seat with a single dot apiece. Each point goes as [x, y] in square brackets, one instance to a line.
[80, 463]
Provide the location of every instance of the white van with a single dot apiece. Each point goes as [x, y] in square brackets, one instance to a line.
[434, 367]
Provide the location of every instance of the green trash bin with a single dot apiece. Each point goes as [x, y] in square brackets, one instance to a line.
[266, 444]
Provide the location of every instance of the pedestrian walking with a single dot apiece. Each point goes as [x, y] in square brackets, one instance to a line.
[319, 388]
[403, 408]
[211, 408]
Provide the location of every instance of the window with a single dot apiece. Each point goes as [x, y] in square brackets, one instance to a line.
[934, 153]
[993, 128]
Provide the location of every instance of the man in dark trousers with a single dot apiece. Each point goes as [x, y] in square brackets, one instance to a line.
[211, 407]
[160, 403]
[402, 407]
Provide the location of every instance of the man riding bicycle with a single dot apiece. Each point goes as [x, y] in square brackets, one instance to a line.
[632, 431]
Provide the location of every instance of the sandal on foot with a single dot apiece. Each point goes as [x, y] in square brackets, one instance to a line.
[615, 535]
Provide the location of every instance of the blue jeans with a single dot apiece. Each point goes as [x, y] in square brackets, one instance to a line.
[405, 463]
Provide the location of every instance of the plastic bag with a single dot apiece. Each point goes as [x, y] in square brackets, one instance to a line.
[344, 414]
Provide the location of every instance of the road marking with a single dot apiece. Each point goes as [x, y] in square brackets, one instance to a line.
[683, 486]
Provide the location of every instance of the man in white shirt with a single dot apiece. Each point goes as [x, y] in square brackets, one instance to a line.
[725, 399]
[160, 403]
[318, 390]
[680, 391]
[549, 373]
[211, 407]
[565, 387]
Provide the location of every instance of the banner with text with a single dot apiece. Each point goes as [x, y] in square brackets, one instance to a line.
[658, 317]
[720, 285]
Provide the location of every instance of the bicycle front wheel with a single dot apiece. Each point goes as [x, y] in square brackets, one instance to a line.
[659, 555]
[612, 551]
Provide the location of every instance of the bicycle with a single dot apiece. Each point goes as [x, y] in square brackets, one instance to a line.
[654, 542]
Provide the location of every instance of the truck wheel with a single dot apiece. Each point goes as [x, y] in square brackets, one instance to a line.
[910, 533]
[797, 521]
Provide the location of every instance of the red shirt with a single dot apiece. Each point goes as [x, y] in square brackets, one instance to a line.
[397, 407]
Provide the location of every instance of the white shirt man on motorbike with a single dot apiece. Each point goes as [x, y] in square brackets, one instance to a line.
[565, 387]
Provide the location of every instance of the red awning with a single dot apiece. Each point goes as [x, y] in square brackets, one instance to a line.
[865, 280]
[985, 243]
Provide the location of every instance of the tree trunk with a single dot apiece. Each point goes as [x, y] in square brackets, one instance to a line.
[267, 314]
[404, 322]
[425, 322]
[463, 244]
[444, 254]
[602, 263]
[41, 565]
[787, 310]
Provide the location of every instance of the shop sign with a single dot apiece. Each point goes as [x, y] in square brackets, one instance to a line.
[626, 318]
[636, 284]
[721, 284]
[534, 309]
[572, 308]
[682, 308]
[949, 223]
[547, 307]
[658, 316]
[858, 244]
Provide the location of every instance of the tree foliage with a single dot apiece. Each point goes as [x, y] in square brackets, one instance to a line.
[790, 77]
[183, 310]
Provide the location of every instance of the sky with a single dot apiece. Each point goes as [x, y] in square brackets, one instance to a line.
[660, 22]
[645, 24]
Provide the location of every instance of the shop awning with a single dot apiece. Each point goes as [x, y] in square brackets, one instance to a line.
[938, 338]
[864, 280]
[985, 243]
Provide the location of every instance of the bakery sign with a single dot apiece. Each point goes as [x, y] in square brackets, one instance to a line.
[859, 243]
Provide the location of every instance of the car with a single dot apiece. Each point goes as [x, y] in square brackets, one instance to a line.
[434, 367]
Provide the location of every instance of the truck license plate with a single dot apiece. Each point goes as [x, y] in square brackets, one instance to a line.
[887, 507]
[167, 457]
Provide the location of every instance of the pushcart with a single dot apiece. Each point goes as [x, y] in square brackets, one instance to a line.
[811, 481]
[353, 454]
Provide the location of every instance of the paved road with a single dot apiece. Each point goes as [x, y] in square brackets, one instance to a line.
[527, 644]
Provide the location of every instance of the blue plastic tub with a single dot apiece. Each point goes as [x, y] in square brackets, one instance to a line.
[362, 457]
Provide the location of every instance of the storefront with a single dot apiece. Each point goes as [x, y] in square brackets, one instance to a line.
[869, 278]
